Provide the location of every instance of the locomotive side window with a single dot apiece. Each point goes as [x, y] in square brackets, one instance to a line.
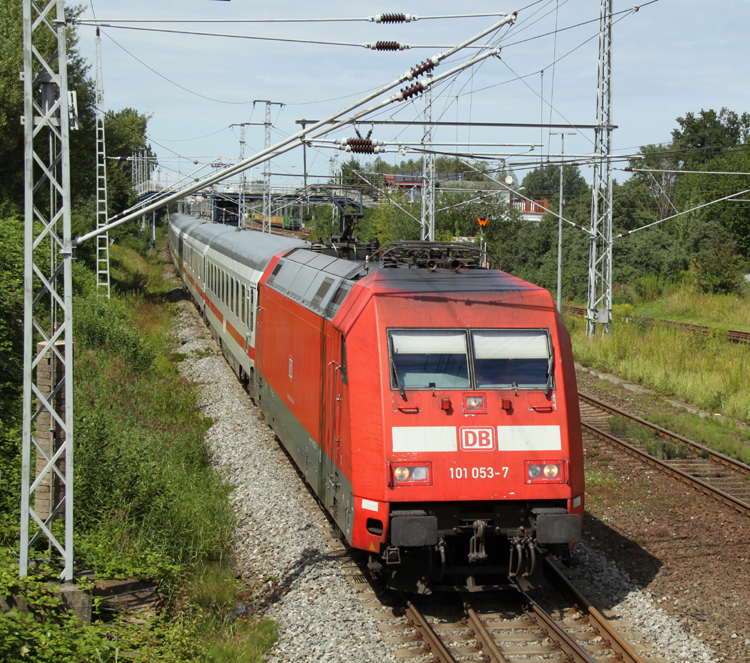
[321, 292]
[429, 359]
[511, 358]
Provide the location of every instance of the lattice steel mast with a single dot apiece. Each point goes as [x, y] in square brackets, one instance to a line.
[48, 333]
[428, 171]
[267, 164]
[102, 241]
[600, 249]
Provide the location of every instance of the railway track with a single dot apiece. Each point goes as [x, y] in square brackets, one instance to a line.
[732, 335]
[501, 628]
[712, 473]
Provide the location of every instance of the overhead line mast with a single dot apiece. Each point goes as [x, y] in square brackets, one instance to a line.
[599, 309]
[47, 437]
[267, 164]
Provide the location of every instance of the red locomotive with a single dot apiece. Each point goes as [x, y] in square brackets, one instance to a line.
[432, 406]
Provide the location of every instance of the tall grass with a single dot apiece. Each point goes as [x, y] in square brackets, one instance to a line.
[708, 372]
[145, 491]
[687, 305]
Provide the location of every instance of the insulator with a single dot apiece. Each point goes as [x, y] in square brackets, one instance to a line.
[412, 90]
[425, 67]
[361, 145]
[387, 46]
[390, 18]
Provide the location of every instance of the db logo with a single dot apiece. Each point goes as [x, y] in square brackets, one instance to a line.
[477, 439]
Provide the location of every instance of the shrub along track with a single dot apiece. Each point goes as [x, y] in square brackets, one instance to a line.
[714, 474]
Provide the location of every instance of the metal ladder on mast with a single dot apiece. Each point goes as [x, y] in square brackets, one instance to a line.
[102, 241]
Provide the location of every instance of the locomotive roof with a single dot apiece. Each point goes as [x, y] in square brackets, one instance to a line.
[464, 281]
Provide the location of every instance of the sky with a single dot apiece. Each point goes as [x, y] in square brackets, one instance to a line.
[669, 58]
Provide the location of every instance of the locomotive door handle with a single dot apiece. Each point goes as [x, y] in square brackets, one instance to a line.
[336, 408]
[329, 406]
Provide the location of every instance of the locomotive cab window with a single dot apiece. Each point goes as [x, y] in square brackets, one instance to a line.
[512, 358]
[429, 359]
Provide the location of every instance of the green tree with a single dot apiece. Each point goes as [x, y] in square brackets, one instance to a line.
[544, 182]
[702, 137]
[125, 132]
[82, 142]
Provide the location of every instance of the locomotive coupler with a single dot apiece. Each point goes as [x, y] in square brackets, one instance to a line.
[476, 545]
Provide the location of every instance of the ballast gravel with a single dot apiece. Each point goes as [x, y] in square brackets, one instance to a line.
[614, 587]
[277, 542]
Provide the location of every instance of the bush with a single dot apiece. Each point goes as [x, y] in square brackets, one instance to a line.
[102, 324]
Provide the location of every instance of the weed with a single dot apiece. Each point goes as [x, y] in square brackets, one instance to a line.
[666, 450]
[618, 425]
[722, 436]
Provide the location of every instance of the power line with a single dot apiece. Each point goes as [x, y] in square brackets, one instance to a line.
[377, 18]
[182, 87]
[375, 46]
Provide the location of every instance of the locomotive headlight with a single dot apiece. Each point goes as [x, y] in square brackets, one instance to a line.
[546, 471]
[551, 471]
[475, 403]
[401, 473]
[419, 473]
[411, 475]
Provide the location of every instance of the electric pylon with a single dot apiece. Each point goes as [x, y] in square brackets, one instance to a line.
[47, 438]
[599, 308]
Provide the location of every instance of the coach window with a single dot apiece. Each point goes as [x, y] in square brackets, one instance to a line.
[429, 359]
[512, 358]
[242, 307]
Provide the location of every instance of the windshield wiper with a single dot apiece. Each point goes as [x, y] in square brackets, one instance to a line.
[394, 370]
[550, 371]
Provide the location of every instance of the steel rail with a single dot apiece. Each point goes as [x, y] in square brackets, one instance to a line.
[693, 482]
[736, 465]
[485, 641]
[558, 634]
[426, 633]
[616, 641]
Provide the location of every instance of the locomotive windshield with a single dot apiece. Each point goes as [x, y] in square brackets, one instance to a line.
[430, 359]
[506, 358]
[494, 359]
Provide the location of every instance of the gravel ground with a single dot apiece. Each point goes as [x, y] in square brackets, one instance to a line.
[277, 543]
[681, 554]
